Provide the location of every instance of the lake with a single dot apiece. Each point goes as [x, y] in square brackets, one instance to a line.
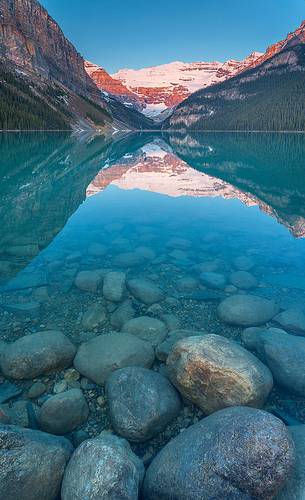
[182, 223]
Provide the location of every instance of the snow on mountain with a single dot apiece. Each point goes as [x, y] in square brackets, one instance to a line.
[164, 86]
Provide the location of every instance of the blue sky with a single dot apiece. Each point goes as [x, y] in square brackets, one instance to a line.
[138, 33]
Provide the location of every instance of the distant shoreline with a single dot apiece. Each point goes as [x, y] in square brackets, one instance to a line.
[166, 131]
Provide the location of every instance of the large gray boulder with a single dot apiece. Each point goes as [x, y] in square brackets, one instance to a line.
[243, 280]
[292, 320]
[63, 412]
[100, 356]
[32, 463]
[213, 280]
[214, 372]
[247, 310]
[295, 487]
[103, 468]
[89, 281]
[141, 402]
[114, 286]
[36, 354]
[146, 328]
[284, 354]
[124, 312]
[145, 291]
[237, 453]
[163, 349]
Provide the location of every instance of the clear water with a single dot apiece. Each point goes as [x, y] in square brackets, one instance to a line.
[226, 195]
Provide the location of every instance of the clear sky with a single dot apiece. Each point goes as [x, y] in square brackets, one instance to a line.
[137, 33]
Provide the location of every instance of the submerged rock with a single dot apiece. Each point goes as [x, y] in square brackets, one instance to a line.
[94, 316]
[100, 356]
[141, 402]
[128, 259]
[163, 349]
[64, 412]
[89, 281]
[35, 354]
[284, 354]
[236, 453]
[214, 372]
[32, 463]
[145, 291]
[247, 310]
[114, 286]
[295, 487]
[244, 263]
[292, 320]
[213, 280]
[146, 328]
[103, 468]
[122, 314]
[243, 280]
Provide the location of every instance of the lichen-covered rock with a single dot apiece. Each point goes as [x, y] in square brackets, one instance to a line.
[236, 453]
[103, 468]
[100, 356]
[214, 372]
[32, 463]
[35, 354]
[247, 310]
[141, 402]
[64, 412]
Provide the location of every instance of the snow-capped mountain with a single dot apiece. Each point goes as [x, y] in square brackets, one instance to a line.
[165, 86]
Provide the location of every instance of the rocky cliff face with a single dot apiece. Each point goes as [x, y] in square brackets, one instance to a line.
[32, 40]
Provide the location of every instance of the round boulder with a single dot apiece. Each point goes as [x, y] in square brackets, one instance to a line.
[145, 291]
[146, 328]
[32, 463]
[236, 453]
[103, 468]
[141, 402]
[35, 354]
[100, 356]
[247, 310]
[114, 286]
[64, 412]
[243, 280]
[213, 280]
[214, 372]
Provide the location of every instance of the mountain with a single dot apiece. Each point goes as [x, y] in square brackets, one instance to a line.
[44, 79]
[269, 96]
[161, 87]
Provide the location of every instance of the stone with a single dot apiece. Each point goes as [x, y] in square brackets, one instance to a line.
[171, 321]
[60, 387]
[103, 468]
[123, 313]
[9, 391]
[88, 281]
[100, 356]
[146, 252]
[36, 390]
[243, 280]
[128, 259]
[36, 354]
[163, 349]
[294, 489]
[71, 375]
[94, 316]
[214, 373]
[24, 310]
[64, 412]
[17, 412]
[236, 453]
[97, 250]
[243, 263]
[146, 328]
[187, 284]
[114, 286]
[284, 354]
[213, 280]
[32, 463]
[247, 310]
[79, 437]
[179, 243]
[292, 320]
[145, 291]
[141, 403]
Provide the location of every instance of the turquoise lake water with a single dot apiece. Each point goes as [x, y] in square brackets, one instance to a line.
[161, 207]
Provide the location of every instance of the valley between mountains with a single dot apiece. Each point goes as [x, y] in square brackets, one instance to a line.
[46, 84]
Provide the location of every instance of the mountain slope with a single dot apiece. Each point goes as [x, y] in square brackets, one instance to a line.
[268, 97]
[34, 51]
[160, 87]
